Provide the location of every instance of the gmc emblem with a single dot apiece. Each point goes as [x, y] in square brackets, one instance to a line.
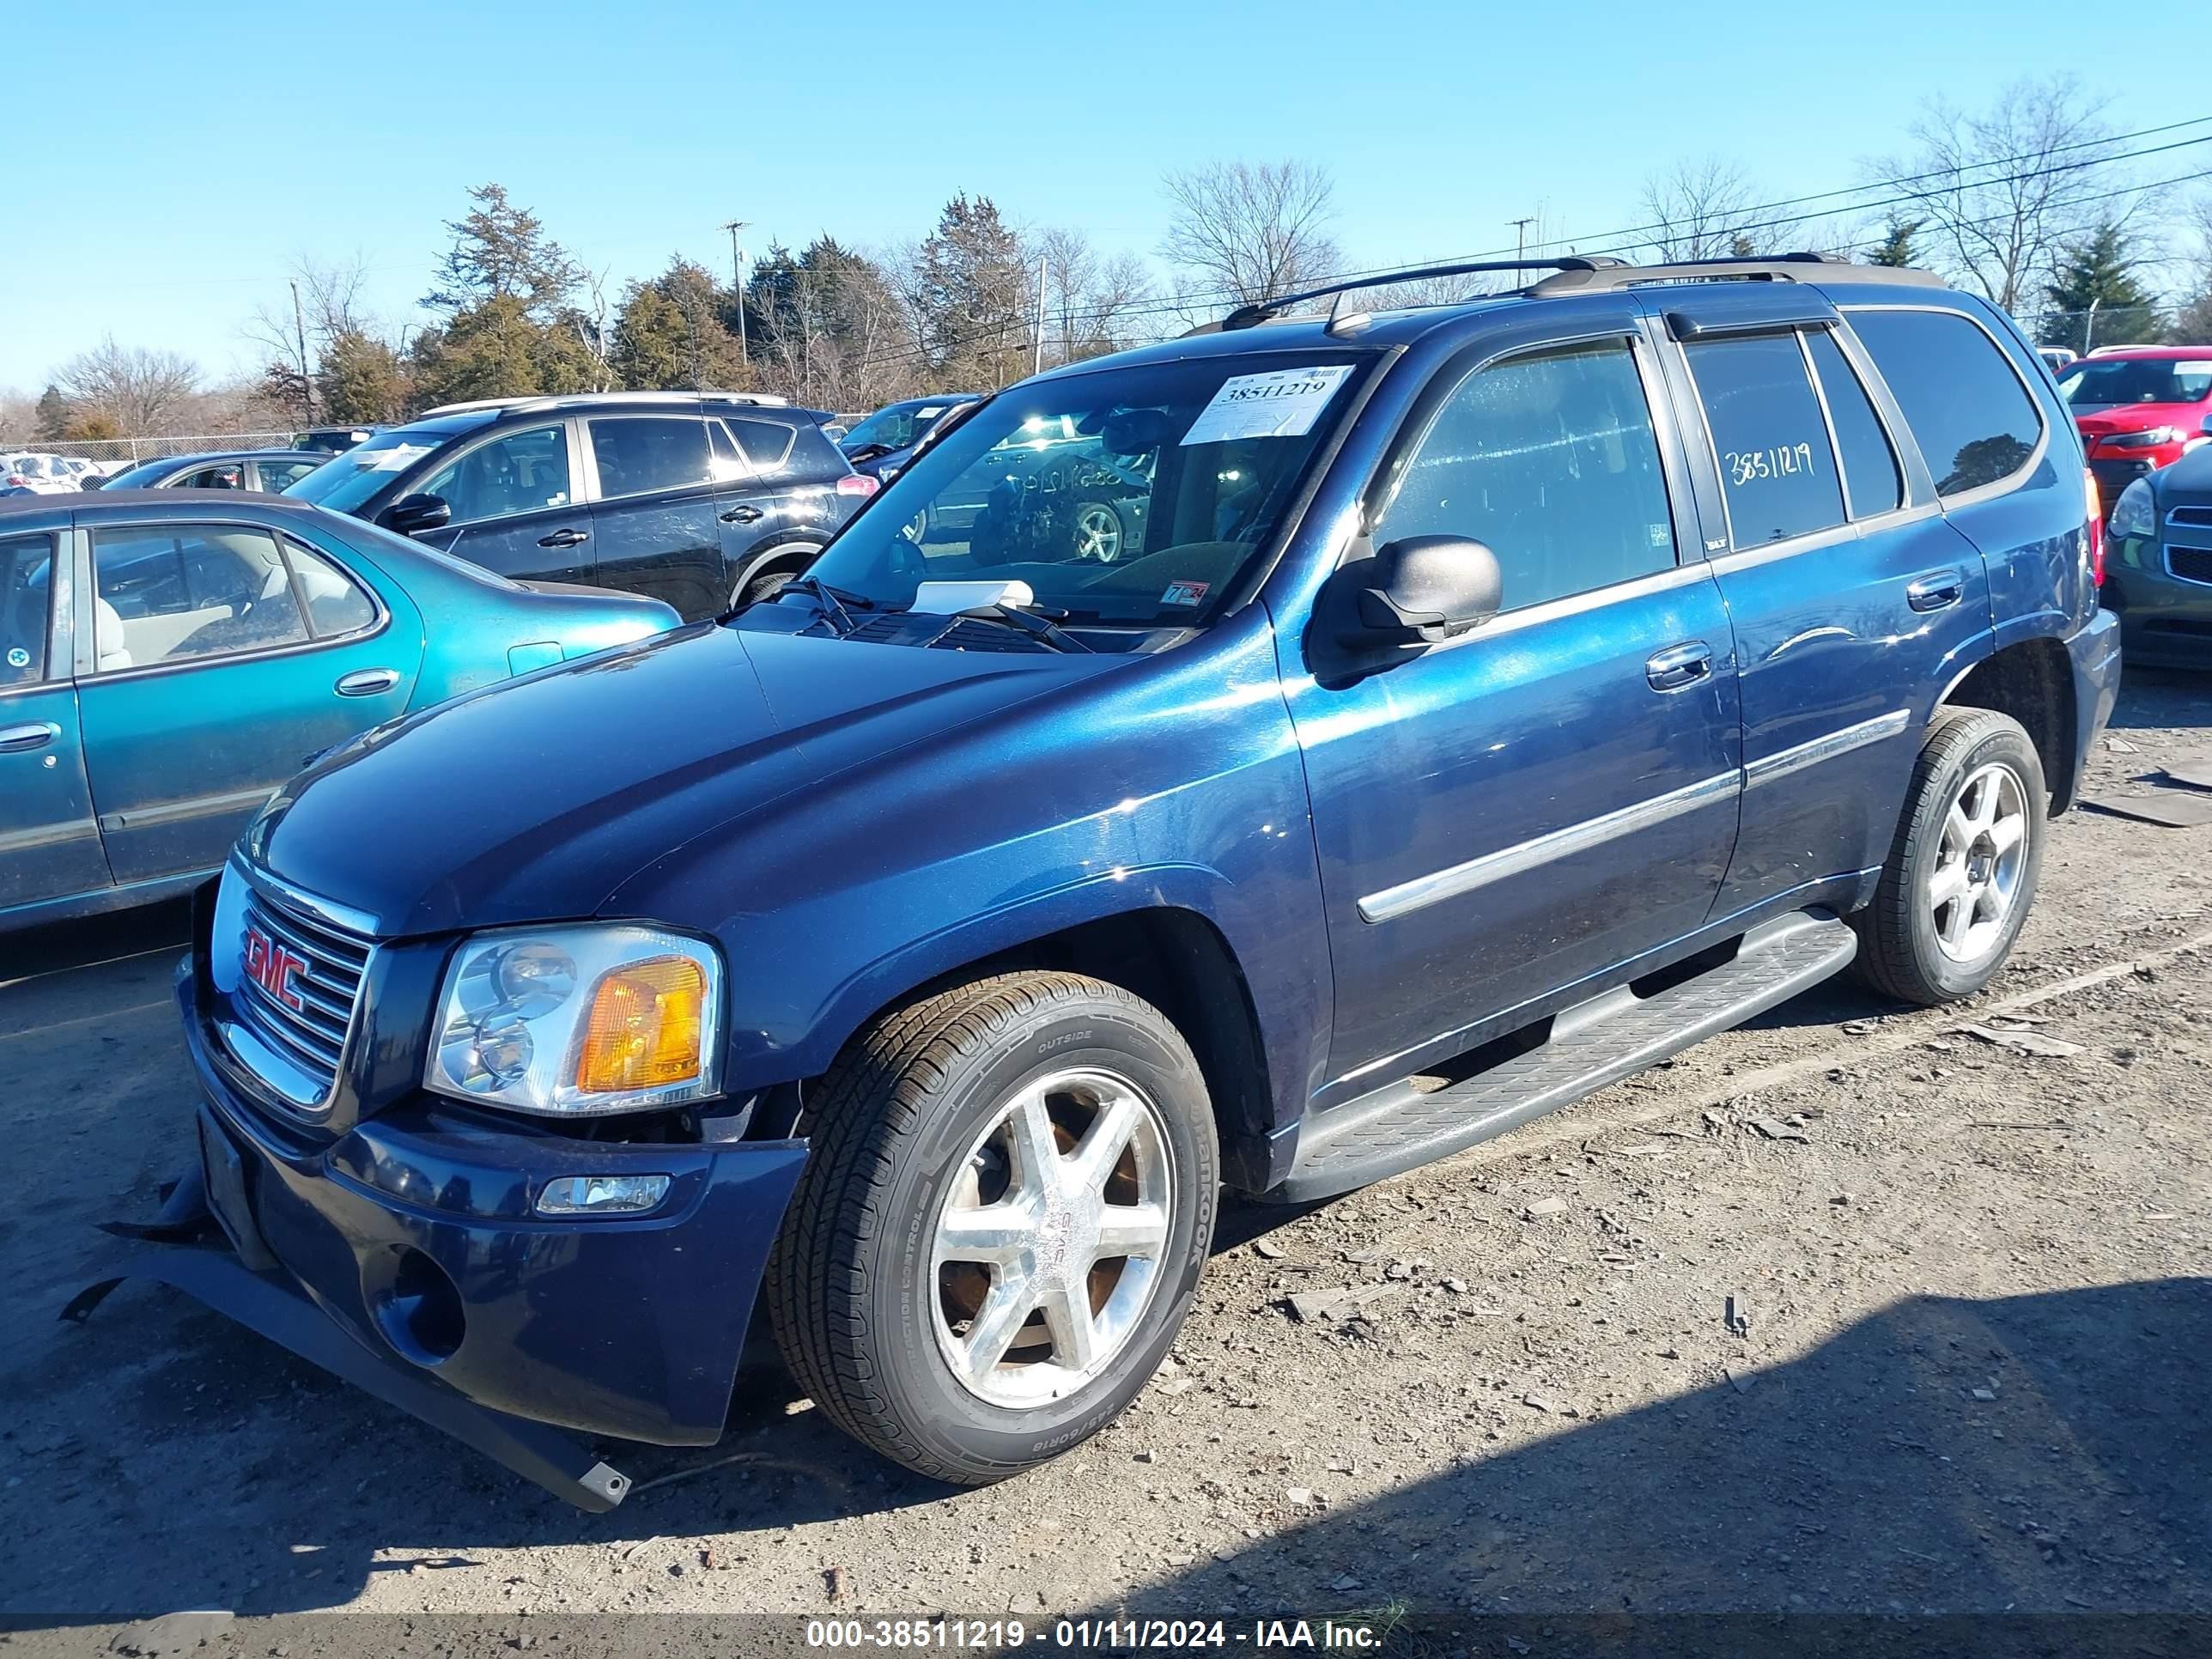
[271, 965]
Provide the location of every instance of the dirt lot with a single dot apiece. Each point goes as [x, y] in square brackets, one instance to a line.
[1973, 1320]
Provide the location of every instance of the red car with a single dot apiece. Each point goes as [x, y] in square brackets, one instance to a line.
[2138, 409]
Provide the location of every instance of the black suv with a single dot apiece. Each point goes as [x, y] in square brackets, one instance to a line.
[701, 501]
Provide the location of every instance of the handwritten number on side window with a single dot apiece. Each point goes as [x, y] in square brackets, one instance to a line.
[1748, 466]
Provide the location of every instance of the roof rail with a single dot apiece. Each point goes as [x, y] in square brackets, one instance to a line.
[1756, 268]
[569, 399]
[1259, 310]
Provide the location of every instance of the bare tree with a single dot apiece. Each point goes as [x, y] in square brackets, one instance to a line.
[323, 304]
[139, 392]
[2006, 190]
[1089, 296]
[1699, 209]
[1251, 231]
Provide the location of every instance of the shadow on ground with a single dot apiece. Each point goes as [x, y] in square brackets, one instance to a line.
[1870, 1475]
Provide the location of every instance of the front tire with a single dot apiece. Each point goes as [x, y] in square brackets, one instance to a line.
[1010, 1200]
[1963, 865]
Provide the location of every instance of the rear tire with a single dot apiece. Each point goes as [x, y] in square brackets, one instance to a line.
[944, 1284]
[1962, 867]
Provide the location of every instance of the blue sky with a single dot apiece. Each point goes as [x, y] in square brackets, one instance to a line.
[169, 161]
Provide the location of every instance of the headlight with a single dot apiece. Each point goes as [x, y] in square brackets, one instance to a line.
[580, 1020]
[2149, 438]
[2134, 518]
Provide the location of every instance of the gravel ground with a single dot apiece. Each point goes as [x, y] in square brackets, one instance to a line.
[1849, 1310]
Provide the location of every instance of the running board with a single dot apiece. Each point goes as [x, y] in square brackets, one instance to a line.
[1590, 1045]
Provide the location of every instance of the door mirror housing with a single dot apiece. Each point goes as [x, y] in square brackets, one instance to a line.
[411, 514]
[1424, 590]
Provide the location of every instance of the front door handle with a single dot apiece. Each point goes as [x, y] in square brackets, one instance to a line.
[32, 734]
[743, 515]
[1680, 666]
[1936, 591]
[366, 682]
[565, 538]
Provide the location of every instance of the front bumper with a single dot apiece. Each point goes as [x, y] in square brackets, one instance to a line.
[412, 1233]
[2166, 620]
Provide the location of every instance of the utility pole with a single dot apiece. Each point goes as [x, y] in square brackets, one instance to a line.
[738, 282]
[2089, 334]
[1037, 366]
[299, 336]
[1520, 235]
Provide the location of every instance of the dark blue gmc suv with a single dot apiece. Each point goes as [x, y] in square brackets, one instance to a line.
[1506, 696]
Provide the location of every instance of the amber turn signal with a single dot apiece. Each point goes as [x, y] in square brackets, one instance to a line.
[645, 1025]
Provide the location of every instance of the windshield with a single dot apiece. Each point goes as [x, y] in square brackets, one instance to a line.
[1127, 497]
[2092, 385]
[898, 425]
[146, 472]
[344, 481]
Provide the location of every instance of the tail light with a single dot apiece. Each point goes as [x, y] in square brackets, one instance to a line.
[2095, 530]
[16, 481]
[858, 484]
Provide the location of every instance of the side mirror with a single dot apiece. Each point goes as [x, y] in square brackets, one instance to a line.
[1424, 590]
[411, 514]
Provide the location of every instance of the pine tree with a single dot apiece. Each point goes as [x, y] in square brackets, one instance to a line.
[1896, 249]
[973, 290]
[2094, 298]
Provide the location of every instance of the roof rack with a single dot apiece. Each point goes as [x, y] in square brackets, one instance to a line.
[1261, 311]
[566, 400]
[1755, 268]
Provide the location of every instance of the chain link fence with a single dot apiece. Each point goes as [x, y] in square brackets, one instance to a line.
[109, 450]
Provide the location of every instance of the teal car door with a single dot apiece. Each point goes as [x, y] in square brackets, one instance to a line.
[225, 656]
[49, 842]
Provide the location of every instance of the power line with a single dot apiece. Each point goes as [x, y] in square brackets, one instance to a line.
[1187, 303]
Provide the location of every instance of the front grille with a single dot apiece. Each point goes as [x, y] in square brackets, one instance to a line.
[2189, 515]
[311, 1036]
[2190, 564]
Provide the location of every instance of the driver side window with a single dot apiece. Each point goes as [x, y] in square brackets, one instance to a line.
[517, 472]
[1551, 461]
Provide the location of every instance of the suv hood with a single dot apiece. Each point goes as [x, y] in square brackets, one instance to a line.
[535, 799]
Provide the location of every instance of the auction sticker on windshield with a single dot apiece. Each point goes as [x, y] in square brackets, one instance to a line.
[1284, 403]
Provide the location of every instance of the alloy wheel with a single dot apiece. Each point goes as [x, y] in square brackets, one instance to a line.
[1048, 1245]
[1975, 879]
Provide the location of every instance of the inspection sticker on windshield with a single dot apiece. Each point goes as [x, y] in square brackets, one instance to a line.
[1283, 403]
[1185, 593]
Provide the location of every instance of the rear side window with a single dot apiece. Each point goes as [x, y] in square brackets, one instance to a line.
[1870, 474]
[1777, 473]
[766, 444]
[638, 453]
[1551, 461]
[1973, 420]
[27, 585]
[172, 592]
[335, 603]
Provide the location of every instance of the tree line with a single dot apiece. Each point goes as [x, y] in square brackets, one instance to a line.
[2089, 234]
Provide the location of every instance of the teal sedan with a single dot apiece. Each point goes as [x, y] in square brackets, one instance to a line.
[166, 661]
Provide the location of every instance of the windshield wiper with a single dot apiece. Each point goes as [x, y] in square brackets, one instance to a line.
[1037, 626]
[831, 602]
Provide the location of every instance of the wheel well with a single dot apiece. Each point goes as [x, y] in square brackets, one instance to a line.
[1176, 961]
[793, 559]
[2033, 682]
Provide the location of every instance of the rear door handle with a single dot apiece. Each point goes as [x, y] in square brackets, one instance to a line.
[1680, 666]
[743, 515]
[564, 538]
[1937, 590]
[32, 734]
[366, 682]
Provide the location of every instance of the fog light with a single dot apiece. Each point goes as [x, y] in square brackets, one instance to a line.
[602, 1194]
